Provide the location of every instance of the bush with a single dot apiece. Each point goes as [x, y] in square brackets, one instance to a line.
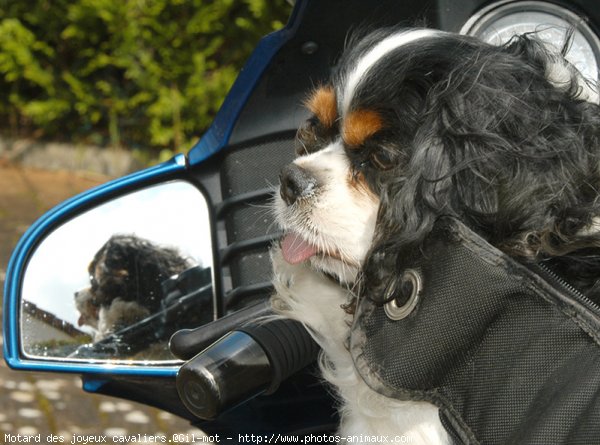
[134, 73]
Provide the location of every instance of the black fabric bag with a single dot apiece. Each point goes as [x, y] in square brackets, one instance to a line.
[509, 353]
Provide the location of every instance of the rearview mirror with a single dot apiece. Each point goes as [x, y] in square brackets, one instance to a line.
[113, 283]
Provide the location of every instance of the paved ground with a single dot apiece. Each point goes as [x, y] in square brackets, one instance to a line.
[33, 404]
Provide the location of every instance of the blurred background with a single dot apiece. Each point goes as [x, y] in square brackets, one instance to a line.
[91, 90]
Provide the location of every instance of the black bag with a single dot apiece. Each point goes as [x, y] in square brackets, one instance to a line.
[509, 353]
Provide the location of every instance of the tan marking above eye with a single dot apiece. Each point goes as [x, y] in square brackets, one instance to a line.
[322, 103]
[360, 125]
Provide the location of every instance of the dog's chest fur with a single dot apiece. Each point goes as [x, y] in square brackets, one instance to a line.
[315, 300]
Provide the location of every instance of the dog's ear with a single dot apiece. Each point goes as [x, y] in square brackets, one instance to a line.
[563, 75]
[506, 150]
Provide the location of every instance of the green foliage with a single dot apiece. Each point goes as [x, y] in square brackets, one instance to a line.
[135, 73]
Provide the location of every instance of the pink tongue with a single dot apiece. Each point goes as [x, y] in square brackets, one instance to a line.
[295, 250]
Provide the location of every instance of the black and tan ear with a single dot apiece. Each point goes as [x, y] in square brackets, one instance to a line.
[558, 71]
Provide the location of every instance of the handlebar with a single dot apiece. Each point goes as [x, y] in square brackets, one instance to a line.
[186, 343]
[253, 359]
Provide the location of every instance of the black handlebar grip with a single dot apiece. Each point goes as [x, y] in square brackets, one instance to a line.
[249, 361]
[287, 344]
[186, 343]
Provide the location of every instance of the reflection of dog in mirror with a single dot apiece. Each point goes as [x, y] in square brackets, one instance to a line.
[125, 283]
[416, 124]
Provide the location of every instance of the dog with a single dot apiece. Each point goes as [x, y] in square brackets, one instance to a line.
[125, 283]
[415, 124]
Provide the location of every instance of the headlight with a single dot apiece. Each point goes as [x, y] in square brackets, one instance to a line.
[497, 23]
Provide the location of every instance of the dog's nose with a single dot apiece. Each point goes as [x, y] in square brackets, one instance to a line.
[295, 182]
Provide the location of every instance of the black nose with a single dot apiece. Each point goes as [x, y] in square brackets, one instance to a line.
[296, 182]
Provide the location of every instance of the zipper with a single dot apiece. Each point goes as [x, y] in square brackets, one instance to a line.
[550, 275]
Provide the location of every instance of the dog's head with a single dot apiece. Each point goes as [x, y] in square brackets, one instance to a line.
[419, 123]
[129, 269]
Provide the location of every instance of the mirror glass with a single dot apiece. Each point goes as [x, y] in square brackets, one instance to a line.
[115, 282]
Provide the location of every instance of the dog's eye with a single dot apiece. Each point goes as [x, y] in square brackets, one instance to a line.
[382, 159]
[305, 140]
[312, 136]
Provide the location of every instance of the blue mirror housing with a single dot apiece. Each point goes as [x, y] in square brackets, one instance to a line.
[13, 352]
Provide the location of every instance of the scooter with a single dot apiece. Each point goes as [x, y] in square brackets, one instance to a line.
[203, 355]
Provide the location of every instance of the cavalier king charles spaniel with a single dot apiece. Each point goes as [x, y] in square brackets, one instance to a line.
[415, 124]
[125, 283]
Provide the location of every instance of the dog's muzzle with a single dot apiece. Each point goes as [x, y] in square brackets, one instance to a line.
[508, 352]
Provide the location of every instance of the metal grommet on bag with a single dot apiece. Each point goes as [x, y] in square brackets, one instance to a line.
[413, 284]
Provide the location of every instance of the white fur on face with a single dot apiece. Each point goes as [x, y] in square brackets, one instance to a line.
[88, 312]
[337, 217]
